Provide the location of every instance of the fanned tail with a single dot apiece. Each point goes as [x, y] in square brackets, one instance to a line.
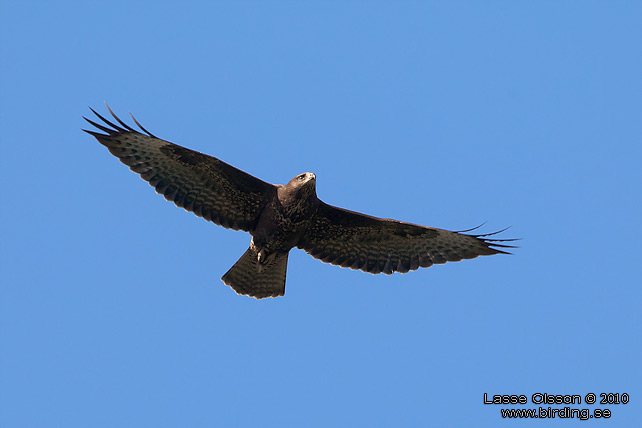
[258, 280]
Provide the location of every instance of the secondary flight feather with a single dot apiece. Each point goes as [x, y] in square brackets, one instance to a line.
[281, 217]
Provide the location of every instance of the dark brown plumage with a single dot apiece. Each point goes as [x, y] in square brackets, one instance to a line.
[281, 217]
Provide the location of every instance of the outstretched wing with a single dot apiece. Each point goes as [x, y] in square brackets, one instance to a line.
[199, 183]
[375, 245]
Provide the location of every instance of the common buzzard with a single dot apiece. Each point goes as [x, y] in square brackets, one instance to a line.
[282, 217]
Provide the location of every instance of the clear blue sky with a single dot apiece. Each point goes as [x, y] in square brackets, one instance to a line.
[447, 114]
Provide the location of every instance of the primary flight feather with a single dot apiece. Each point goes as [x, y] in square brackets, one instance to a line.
[281, 217]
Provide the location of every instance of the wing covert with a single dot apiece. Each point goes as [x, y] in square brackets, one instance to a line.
[199, 183]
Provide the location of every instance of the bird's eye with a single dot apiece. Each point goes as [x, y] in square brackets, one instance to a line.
[301, 177]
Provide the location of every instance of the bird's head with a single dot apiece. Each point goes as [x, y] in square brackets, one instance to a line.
[300, 187]
[301, 179]
[303, 182]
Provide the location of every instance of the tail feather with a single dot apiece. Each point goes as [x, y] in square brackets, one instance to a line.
[251, 278]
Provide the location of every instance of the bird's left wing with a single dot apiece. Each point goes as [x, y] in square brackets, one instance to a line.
[359, 241]
[197, 182]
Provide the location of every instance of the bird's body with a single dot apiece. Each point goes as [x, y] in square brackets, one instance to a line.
[280, 217]
[261, 271]
[287, 216]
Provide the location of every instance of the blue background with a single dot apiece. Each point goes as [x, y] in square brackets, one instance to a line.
[446, 114]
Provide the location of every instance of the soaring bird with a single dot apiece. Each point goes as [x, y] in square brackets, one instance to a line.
[280, 217]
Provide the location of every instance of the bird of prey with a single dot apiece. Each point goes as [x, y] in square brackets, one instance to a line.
[281, 217]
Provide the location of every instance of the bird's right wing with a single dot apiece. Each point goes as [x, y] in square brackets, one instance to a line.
[197, 182]
[375, 245]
